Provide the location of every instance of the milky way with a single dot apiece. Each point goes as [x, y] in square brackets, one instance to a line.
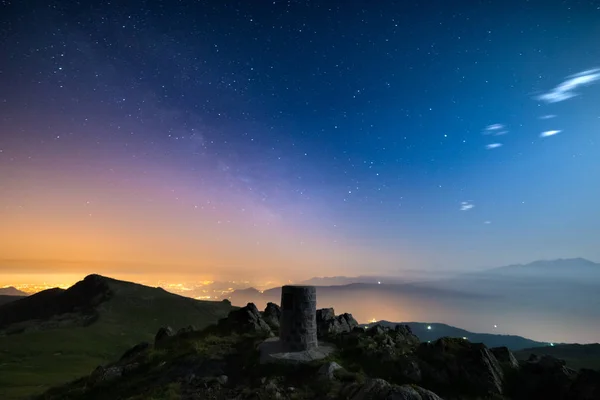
[297, 138]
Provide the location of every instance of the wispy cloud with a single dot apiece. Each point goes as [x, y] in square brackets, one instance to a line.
[495, 129]
[549, 116]
[466, 205]
[549, 133]
[493, 146]
[487, 222]
[566, 89]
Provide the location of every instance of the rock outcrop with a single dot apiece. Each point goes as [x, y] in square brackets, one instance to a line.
[328, 324]
[327, 370]
[544, 377]
[271, 315]
[505, 357]
[163, 333]
[245, 320]
[459, 365]
[379, 389]
[135, 351]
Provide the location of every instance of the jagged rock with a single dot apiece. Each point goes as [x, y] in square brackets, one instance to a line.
[544, 377]
[135, 351]
[379, 389]
[586, 386]
[327, 371]
[271, 315]
[456, 363]
[328, 324]
[375, 330]
[163, 333]
[103, 375]
[186, 330]
[223, 379]
[505, 357]
[245, 320]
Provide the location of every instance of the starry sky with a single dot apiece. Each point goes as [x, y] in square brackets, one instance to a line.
[296, 138]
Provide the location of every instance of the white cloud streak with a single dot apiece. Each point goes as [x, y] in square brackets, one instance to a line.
[549, 133]
[493, 146]
[566, 89]
[466, 206]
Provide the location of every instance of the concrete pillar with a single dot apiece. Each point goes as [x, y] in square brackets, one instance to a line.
[298, 323]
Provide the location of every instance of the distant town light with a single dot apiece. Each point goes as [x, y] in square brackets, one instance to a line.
[379, 283]
[429, 327]
[552, 344]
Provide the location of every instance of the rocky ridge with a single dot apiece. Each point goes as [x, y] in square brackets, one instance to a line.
[220, 362]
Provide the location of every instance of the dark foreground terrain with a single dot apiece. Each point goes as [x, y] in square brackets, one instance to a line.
[57, 335]
[222, 362]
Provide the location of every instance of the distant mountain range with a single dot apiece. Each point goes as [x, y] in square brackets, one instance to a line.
[432, 331]
[552, 301]
[11, 291]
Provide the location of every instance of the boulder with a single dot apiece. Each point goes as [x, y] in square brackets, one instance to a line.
[328, 324]
[245, 320]
[135, 351]
[163, 333]
[459, 365]
[375, 330]
[379, 389]
[543, 377]
[505, 357]
[586, 386]
[104, 374]
[271, 315]
[187, 330]
[327, 371]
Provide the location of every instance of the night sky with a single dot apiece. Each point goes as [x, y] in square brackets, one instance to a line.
[297, 138]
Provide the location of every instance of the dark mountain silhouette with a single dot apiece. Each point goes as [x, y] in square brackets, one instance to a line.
[61, 333]
[577, 356]
[7, 299]
[427, 332]
[82, 298]
[11, 291]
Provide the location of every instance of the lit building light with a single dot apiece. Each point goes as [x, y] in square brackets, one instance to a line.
[428, 327]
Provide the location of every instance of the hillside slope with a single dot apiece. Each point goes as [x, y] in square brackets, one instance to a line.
[225, 362]
[4, 299]
[57, 335]
[577, 356]
[433, 331]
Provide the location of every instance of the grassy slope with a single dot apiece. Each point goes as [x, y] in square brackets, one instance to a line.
[5, 298]
[31, 362]
[577, 356]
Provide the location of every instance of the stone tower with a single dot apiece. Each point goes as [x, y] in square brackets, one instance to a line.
[298, 323]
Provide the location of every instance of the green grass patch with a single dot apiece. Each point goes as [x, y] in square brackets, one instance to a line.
[31, 362]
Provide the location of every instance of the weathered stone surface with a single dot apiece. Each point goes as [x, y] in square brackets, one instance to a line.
[135, 351]
[298, 324]
[505, 357]
[586, 386]
[163, 333]
[245, 320]
[273, 350]
[271, 315]
[328, 324]
[188, 329]
[457, 363]
[104, 374]
[543, 377]
[327, 370]
[379, 389]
